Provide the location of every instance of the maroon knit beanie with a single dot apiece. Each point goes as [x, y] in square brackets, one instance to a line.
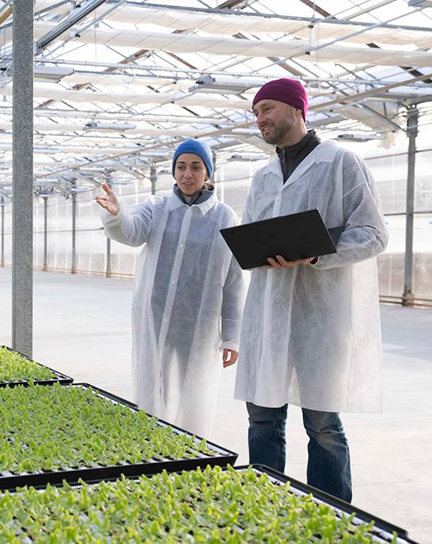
[285, 90]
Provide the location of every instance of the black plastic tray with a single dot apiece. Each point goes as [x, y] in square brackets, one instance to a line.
[60, 378]
[222, 458]
[382, 529]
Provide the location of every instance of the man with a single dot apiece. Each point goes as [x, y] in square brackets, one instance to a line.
[311, 328]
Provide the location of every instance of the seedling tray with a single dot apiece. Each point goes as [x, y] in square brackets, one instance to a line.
[58, 377]
[231, 505]
[215, 455]
[383, 531]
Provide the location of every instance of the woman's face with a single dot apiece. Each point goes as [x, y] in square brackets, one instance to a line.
[190, 173]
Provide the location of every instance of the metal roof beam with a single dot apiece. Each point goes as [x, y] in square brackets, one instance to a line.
[357, 32]
[152, 118]
[202, 71]
[368, 10]
[316, 8]
[6, 11]
[383, 117]
[75, 17]
[256, 15]
[231, 4]
[359, 96]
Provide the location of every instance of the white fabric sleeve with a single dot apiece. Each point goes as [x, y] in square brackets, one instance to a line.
[246, 216]
[129, 228]
[234, 292]
[364, 235]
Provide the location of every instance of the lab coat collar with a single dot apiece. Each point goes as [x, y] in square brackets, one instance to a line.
[275, 167]
[204, 207]
[323, 152]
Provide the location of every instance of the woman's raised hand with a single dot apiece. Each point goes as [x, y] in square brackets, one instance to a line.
[108, 201]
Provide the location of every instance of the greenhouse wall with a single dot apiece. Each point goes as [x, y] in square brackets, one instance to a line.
[232, 184]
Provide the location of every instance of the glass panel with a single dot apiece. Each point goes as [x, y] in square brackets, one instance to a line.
[8, 235]
[391, 262]
[422, 284]
[390, 174]
[232, 184]
[423, 180]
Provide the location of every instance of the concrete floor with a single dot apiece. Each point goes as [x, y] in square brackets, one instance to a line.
[82, 328]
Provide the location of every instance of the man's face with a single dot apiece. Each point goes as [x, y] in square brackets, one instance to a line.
[274, 119]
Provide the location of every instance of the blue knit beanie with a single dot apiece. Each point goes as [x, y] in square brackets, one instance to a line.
[197, 148]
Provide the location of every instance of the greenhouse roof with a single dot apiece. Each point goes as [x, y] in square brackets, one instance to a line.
[118, 84]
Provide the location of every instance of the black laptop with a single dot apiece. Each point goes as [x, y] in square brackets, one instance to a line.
[295, 236]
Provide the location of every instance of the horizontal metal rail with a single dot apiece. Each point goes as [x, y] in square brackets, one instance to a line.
[384, 299]
[400, 301]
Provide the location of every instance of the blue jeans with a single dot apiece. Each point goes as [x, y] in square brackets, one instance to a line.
[328, 466]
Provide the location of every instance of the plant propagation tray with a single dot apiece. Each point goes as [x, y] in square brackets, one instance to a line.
[58, 377]
[213, 455]
[383, 531]
[217, 504]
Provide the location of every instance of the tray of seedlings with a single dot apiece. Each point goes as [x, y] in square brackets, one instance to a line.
[364, 528]
[17, 369]
[213, 505]
[51, 434]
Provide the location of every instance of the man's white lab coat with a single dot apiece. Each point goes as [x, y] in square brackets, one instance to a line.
[311, 334]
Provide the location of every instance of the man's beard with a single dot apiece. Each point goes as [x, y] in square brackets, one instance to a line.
[280, 130]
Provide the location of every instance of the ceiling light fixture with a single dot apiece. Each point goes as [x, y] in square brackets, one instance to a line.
[349, 137]
[46, 150]
[420, 3]
[52, 74]
[222, 84]
[247, 157]
[94, 125]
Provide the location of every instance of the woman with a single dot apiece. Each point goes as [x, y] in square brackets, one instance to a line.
[189, 292]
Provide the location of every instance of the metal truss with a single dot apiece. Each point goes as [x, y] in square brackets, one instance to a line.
[123, 101]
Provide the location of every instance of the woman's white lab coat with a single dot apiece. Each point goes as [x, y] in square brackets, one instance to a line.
[311, 334]
[187, 304]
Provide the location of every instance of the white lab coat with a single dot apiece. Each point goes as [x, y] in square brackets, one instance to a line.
[187, 303]
[311, 334]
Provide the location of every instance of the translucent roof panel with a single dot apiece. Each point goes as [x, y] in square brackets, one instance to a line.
[132, 79]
